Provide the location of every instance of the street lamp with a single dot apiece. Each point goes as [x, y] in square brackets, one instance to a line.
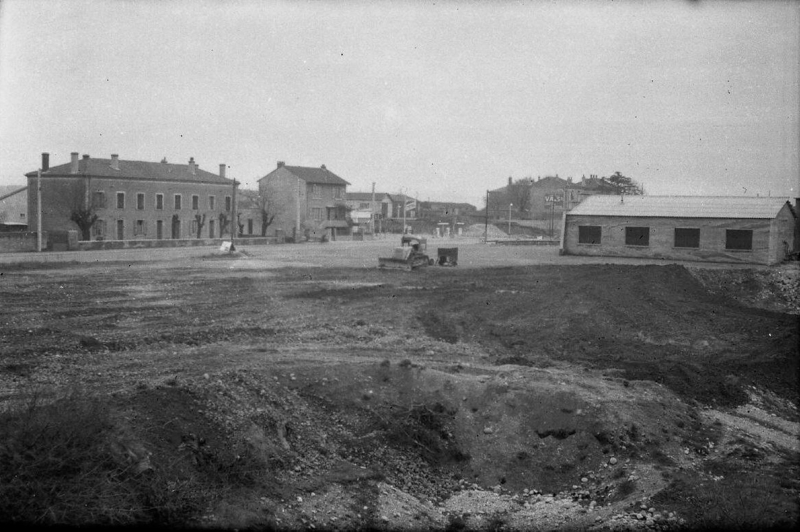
[509, 218]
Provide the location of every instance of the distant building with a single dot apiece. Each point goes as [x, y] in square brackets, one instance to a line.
[132, 199]
[545, 197]
[725, 229]
[13, 208]
[363, 209]
[307, 202]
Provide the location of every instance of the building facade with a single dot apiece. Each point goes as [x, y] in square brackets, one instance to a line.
[131, 200]
[720, 229]
[13, 208]
[306, 202]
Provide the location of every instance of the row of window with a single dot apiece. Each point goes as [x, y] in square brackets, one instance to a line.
[100, 229]
[99, 201]
[684, 237]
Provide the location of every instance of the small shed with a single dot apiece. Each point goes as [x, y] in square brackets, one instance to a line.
[703, 228]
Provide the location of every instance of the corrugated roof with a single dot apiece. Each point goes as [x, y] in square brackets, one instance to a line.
[136, 170]
[321, 176]
[680, 206]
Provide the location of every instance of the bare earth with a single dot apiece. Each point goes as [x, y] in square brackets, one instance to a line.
[299, 387]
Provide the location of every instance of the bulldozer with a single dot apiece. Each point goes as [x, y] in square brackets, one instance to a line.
[409, 256]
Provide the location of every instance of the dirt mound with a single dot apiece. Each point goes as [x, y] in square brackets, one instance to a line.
[479, 230]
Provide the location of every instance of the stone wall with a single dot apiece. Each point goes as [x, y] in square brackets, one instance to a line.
[20, 241]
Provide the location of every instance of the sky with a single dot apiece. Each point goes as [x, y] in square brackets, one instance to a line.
[440, 100]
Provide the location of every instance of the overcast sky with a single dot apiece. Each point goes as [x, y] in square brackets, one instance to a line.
[440, 99]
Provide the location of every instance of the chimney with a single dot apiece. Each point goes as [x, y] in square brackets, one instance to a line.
[509, 180]
[222, 170]
[323, 167]
[115, 161]
[192, 166]
[45, 162]
[73, 167]
[280, 164]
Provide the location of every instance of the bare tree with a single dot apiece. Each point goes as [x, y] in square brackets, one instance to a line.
[224, 221]
[82, 210]
[519, 193]
[201, 221]
[270, 203]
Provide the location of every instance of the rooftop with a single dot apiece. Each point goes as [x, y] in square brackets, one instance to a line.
[681, 206]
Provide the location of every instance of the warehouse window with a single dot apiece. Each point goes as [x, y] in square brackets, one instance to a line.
[195, 202]
[211, 202]
[741, 239]
[637, 236]
[589, 234]
[120, 200]
[140, 201]
[687, 237]
[160, 202]
[177, 202]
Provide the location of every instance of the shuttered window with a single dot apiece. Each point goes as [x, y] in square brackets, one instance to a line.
[637, 236]
[741, 239]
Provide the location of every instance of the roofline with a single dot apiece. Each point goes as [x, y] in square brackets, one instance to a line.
[23, 189]
[145, 179]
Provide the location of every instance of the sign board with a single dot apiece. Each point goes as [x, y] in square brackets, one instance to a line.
[226, 246]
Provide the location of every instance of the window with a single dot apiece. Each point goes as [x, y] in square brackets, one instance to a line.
[160, 202]
[338, 192]
[227, 204]
[120, 230]
[316, 213]
[177, 202]
[637, 236]
[589, 234]
[211, 201]
[120, 200]
[140, 228]
[687, 238]
[211, 227]
[140, 201]
[363, 205]
[99, 200]
[195, 203]
[99, 228]
[194, 227]
[249, 226]
[741, 239]
[316, 191]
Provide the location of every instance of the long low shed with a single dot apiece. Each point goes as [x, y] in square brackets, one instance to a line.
[719, 228]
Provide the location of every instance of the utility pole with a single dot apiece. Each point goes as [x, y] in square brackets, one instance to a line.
[509, 218]
[297, 214]
[372, 211]
[39, 210]
[234, 221]
[486, 224]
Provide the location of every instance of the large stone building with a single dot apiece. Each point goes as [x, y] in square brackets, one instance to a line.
[726, 229]
[13, 208]
[116, 199]
[306, 202]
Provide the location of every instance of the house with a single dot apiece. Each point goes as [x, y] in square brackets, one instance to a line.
[367, 209]
[711, 228]
[450, 218]
[403, 207]
[306, 201]
[13, 208]
[116, 199]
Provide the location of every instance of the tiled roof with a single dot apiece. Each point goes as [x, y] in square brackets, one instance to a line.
[321, 176]
[680, 206]
[136, 170]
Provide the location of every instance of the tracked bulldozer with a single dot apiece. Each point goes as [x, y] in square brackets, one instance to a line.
[409, 256]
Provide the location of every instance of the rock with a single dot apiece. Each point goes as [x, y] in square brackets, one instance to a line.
[488, 430]
[612, 461]
[384, 519]
[584, 479]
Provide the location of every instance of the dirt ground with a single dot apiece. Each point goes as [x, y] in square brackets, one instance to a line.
[299, 387]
